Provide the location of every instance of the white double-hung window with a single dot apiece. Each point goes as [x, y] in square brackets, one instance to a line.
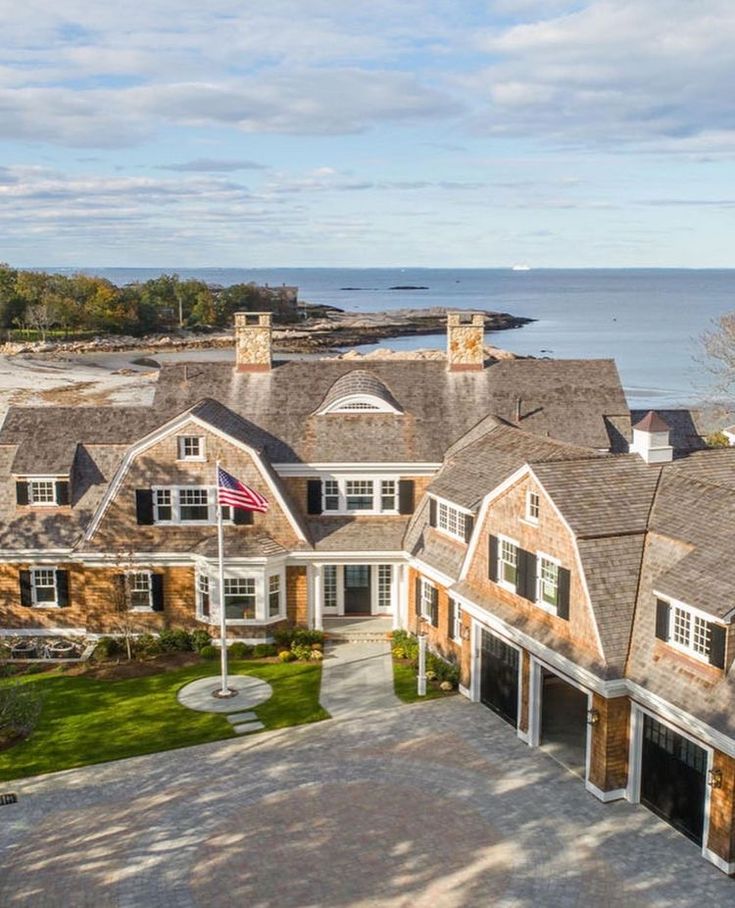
[140, 591]
[364, 495]
[690, 631]
[43, 581]
[508, 562]
[547, 580]
[450, 520]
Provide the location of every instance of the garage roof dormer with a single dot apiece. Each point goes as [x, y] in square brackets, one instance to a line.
[359, 391]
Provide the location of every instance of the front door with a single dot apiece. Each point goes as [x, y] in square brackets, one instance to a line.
[357, 589]
[499, 677]
[673, 778]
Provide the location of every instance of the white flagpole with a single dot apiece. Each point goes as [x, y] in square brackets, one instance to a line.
[224, 692]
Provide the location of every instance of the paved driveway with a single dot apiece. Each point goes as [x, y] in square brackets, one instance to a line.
[436, 804]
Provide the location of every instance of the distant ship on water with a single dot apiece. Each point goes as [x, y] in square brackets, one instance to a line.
[521, 268]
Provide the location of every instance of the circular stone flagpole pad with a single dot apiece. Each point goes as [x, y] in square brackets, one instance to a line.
[204, 694]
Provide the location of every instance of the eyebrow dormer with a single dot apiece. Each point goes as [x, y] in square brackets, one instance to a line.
[359, 391]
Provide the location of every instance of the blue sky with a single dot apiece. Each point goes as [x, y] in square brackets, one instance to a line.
[326, 133]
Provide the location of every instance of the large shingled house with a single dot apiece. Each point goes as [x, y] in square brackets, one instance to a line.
[573, 564]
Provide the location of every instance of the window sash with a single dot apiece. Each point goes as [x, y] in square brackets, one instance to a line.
[240, 598]
[359, 494]
[329, 583]
[191, 447]
[366, 495]
[450, 520]
[385, 586]
[533, 507]
[427, 599]
[690, 632]
[140, 590]
[43, 581]
[457, 627]
[203, 600]
[274, 595]
[508, 562]
[548, 582]
[42, 492]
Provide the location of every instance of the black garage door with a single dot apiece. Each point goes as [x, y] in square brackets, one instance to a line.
[673, 779]
[499, 677]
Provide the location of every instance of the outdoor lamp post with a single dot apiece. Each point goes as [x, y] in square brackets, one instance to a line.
[421, 679]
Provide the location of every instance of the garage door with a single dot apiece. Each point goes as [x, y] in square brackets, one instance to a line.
[673, 778]
[499, 677]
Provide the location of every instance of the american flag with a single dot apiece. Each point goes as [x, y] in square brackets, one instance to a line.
[237, 494]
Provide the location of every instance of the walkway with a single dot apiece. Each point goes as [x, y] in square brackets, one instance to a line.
[357, 678]
[434, 805]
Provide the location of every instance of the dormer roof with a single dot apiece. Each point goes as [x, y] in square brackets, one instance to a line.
[359, 390]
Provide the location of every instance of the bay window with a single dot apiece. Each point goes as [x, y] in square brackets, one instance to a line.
[274, 595]
[240, 598]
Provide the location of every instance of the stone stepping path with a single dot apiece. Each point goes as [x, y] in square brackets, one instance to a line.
[247, 727]
[237, 718]
[244, 723]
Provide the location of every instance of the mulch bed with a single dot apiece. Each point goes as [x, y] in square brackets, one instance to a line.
[122, 670]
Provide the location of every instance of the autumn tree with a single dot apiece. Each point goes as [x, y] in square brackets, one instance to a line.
[719, 348]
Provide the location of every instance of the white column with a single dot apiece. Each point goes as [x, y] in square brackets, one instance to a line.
[396, 594]
[318, 586]
[400, 619]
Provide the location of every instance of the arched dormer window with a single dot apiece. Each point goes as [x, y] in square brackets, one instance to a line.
[359, 391]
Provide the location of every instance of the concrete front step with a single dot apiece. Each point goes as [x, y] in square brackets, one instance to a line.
[357, 638]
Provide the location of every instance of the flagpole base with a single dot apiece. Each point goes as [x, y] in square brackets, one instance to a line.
[224, 694]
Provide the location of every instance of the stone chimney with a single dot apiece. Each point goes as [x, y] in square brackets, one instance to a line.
[465, 341]
[651, 439]
[252, 341]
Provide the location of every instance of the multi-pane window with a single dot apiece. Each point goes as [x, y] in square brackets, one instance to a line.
[385, 586]
[427, 599]
[162, 505]
[533, 507]
[329, 578]
[274, 595]
[457, 624]
[193, 504]
[690, 631]
[191, 447]
[331, 495]
[548, 581]
[449, 520]
[139, 587]
[388, 489]
[44, 586]
[359, 494]
[41, 491]
[508, 562]
[203, 595]
[239, 598]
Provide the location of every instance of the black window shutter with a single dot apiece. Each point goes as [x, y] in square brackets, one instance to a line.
[62, 492]
[21, 492]
[314, 496]
[241, 517]
[450, 618]
[157, 592]
[435, 606]
[469, 526]
[144, 506]
[562, 599]
[526, 575]
[492, 557]
[121, 591]
[717, 645]
[432, 512]
[662, 619]
[26, 596]
[62, 588]
[417, 602]
[405, 496]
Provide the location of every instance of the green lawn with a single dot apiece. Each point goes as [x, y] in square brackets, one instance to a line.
[91, 721]
[404, 684]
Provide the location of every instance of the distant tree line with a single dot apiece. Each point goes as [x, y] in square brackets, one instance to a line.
[54, 304]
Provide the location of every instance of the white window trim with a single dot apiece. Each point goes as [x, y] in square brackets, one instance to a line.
[501, 581]
[203, 575]
[176, 520]
[460, 512]
[261, 578]
[31, 480]
[129, 590]
[457, 626]
[46, 603]
[268, 593]
[201, 457]
[528, 518]
[540, 601]
[426, 585]
[347, 404]
[693, 613]
[342, 509]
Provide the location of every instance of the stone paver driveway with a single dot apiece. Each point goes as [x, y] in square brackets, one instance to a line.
[436, 804]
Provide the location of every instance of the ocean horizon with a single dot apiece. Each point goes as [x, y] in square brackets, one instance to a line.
[649, 320]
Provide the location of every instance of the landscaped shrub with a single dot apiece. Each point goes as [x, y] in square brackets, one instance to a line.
[146, 645]
[287, 656]
[404, 645]
[442, 671]
[209, 652]
[316, 655]
[173, 641]
[108, 648]
[287, 636]
[240, 650]
[200, 638]
[264, 650]
[301, 651]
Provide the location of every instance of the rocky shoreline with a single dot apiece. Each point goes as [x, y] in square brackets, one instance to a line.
[332, 331]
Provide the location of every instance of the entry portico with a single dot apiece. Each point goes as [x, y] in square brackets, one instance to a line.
[341, 586]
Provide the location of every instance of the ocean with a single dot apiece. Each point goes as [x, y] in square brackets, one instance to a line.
[649, 321]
